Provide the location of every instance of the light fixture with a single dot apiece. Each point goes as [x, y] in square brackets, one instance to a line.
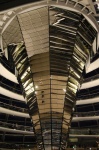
[64, 90]
[36, 86]
[35, 92]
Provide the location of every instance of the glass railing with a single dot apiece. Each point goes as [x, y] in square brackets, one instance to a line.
[5, 63]
[13, 102]
[86, 114]
[11, 88]
[13, 107]
[91, 78]
[88, 96]
[87, 131]
[16, 126]
[88, 93]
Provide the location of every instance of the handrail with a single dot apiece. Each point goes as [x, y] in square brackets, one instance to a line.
[84, 114]
[16, 126]
[87, 96]
[87, 131]
[10, 88]
[4, 62]
[13, 107]
[91, 78]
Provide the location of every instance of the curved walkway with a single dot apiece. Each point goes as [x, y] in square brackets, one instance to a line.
[15, 131]
[87, 101]
[32, 133]
[82, 135]
[14, 113]
[26, 115]
[11, 94]
[7, 74]
[93, 66]
[76, 119]
[90, 84]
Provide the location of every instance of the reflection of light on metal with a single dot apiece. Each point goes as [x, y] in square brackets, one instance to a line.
[58, 21]
[97, 6]
[59, 14]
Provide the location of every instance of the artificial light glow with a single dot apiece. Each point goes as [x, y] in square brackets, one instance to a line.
[72, 89]
[29, 86]
[72, 85]
[24, 74]
[30, 91]
[98, 6]
[24, 84]
[28, 69]
[35, 92]
[64, 90]
[36, 86]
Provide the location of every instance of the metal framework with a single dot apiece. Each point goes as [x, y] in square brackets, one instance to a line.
[51, 72]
